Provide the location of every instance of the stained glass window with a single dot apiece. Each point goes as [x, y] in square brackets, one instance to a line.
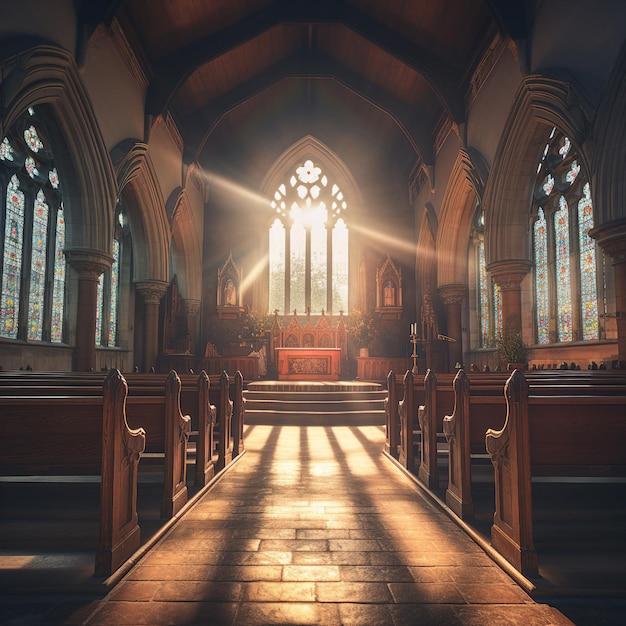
[541, 278]
[563, 284]
[108, 294]
[489, 303]
[588, 284]
[566, 279]
[38, 268]
[12, 261]
[33, 262]
[58, 288]
[316, 247]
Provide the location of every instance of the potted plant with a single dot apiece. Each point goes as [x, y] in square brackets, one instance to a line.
[512, 350]
[362, 329]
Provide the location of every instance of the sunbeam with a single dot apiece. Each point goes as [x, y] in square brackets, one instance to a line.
[236, 189]
[380, 236]
[254, 273]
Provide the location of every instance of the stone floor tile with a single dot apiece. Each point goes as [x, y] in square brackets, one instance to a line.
[363, 592]
[376, 573]
[512, 615]
[486, 593]
[426, 593]
[285, 592]
[311, 573]
[365, 615]
[301, 613]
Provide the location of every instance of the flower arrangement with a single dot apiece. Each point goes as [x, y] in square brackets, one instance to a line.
[256, 326]
[362, 328]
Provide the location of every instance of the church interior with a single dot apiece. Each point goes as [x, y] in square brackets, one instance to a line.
[210, 207]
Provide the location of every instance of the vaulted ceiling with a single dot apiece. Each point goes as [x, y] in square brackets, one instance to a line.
[385, 75]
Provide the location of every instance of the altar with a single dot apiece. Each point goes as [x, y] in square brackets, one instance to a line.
[308, 363]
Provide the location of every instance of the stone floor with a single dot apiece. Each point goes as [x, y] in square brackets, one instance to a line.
[312, 525]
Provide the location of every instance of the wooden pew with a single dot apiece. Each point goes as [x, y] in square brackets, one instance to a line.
[194, 401]
[224, 422]
[239, 412]
[480, 405]
[153, 403]
[81, 435]
[548, 435]
[392, 417]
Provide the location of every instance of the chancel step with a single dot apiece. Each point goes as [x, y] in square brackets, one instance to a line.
[315, 403]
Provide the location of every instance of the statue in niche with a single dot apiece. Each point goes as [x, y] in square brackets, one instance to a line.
[389, 294]
[230, 293]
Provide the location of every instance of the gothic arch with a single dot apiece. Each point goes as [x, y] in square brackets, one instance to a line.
[333, 166]
[145, 208]
[609, 166]
[187, 248]
[539, 104]
[47, 77]
[426, 265]
[465, 188]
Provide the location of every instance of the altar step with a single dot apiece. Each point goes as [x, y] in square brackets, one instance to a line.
[315, 403]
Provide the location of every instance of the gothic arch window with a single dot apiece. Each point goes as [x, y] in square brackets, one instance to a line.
[108, 299]
[308, 244]
[488, 293]
[567, 289]
[32, 292]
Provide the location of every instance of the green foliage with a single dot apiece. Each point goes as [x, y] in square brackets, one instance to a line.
[512, 348]
[362, 328]
[255, 326]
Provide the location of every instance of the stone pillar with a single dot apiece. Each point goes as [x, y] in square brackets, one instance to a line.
[509, 275]
[88, 264]
[611, 237]
[452, 296]
[151, 291]
[191, 309]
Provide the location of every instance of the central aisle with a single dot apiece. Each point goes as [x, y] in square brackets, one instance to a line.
[315, 526]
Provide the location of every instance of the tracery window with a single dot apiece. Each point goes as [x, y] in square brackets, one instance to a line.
[32, 292]
[308, 244]
[566, 285]
[488, 297]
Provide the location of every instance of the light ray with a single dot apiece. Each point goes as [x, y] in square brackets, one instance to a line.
[254, 273]
[380, 236]
[236, 189]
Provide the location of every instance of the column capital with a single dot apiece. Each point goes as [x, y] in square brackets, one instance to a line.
[611, 237]
[152, 290]
[191, 307]
[88, 263]
[510, 273]
[452, 294]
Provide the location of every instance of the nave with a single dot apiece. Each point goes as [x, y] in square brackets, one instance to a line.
[314, 525]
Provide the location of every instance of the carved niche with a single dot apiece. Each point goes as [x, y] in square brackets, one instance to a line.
[389, 291]
[229, 279]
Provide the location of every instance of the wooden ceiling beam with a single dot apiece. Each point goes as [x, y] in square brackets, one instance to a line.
[171, 73]
[197, 129]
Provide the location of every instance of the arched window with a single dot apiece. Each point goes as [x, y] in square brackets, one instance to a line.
[565, 264]
[488, 296]
[308, 244]
[107, 311]
[32, 296]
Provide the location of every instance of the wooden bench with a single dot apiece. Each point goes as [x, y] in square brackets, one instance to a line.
[392, 417]
[81, 435]
[153, 403]
[548, 435]
[194, 401]
[479, 406]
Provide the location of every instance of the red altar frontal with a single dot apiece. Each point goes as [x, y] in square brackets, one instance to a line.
[308, 363]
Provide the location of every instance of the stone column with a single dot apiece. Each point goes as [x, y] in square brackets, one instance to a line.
[191, 309]
[611, 237]
[88, 264]
[452, 296]
[151, 291]
[509, 275]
